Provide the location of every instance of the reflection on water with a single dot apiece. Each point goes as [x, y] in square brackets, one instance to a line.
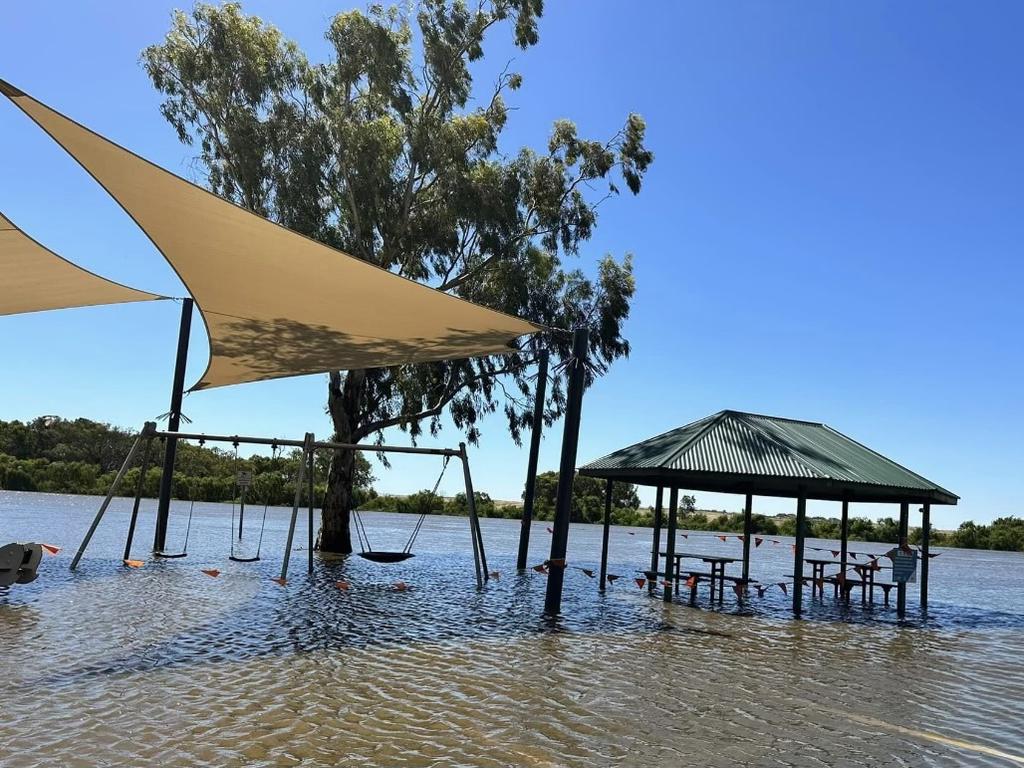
[122, 667]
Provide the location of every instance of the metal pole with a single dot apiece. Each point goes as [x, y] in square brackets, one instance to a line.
[798, 553]
[138, 498]
[604, 533]
[147, 432]
[655, 541]
[531, 466]
[901, 588]
[309, 526]
[926, 535]
[241, 513]
[844, 537]
[566, 472]
[670, 545]
[748, 528]
[471, 507]
[307, 446]
[173, 422]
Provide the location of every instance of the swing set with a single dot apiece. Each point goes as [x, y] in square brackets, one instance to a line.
[309, 446]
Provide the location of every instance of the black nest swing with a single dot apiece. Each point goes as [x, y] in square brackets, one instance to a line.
[241, 513]
[383, 556]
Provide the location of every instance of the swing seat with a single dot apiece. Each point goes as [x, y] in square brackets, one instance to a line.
[240, 559]
[170, 555]
[385, 557]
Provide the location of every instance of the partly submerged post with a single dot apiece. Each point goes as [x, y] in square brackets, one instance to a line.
[901, 587]
[670, 545]
[604, 533]
[146, 434]
[531, 467]
[926, 535]
[577, 368]
[173, 423]
[479, 561]
[798, 553]
[844, 539]
[139, 488]
[307, 446]
[309, 524]
[655, 542]
[748, 529]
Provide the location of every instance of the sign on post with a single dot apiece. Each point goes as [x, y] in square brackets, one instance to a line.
[904, 566]
[244, 479]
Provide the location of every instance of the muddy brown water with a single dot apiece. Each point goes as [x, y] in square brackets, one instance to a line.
[165, 665]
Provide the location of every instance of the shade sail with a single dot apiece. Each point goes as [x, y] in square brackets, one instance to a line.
[33, 278]
[276, 303]
[736, 452]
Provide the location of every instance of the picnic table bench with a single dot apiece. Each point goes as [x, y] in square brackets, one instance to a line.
[716, 578]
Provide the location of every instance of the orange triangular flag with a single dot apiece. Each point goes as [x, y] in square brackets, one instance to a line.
[792, 547]
[691, 582]
[611, 578]
[782, 586]
[559, 561]
[640, 582]
[587, 571]
[279, 580]
[761, 591]
[134, 563]
[685, 535]
[738, 589]
[758, 541]
[776, 541]
[665, 583]
[211, 572]
[724, 538]
[50, 548]
[631, 533]
[852, 554]
[741, 538]
[550, 529]
[540, 568]
[342, 585]
[400, 586]
[495, 574]
[819, 583]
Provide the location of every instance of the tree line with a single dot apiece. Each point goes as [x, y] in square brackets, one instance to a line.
[55, 455]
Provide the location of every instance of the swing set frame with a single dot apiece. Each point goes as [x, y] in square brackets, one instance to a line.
[309, 445]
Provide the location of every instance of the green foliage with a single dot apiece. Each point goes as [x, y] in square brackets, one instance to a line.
[57, 455]
[387, 151]
[587, 498]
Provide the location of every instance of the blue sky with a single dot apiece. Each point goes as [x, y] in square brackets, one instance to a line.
[831, 228]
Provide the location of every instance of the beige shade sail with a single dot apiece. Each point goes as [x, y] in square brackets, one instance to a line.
[33, 278]
[276, 303]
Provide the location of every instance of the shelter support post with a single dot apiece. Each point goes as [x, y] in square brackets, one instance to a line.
[604, 533]
[139, 487]
[309, 522]
[844, 540]
[655, 540]
[147, 434]
[576, 368]
[670, 545]
[299, 482]
[926, 535]
[173, 423]
[748, 530]
[901, 588]
[798, 553]
[530, 492]
[479, 561]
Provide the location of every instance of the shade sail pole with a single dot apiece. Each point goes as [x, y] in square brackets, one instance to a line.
[670, 545]
[652, 580]
[173, 423]
[531, 467]
[926, 535]
[566, 472]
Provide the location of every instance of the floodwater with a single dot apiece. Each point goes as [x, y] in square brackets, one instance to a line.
[165, 665]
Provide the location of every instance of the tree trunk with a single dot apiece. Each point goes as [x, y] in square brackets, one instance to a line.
[335, 534]
[343, 398]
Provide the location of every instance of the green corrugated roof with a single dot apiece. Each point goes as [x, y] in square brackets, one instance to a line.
[734, 451]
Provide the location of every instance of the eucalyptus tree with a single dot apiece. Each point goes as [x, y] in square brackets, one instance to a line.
[388, 151]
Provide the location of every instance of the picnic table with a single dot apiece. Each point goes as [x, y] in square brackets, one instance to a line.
[843, 583]
[716, 564]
